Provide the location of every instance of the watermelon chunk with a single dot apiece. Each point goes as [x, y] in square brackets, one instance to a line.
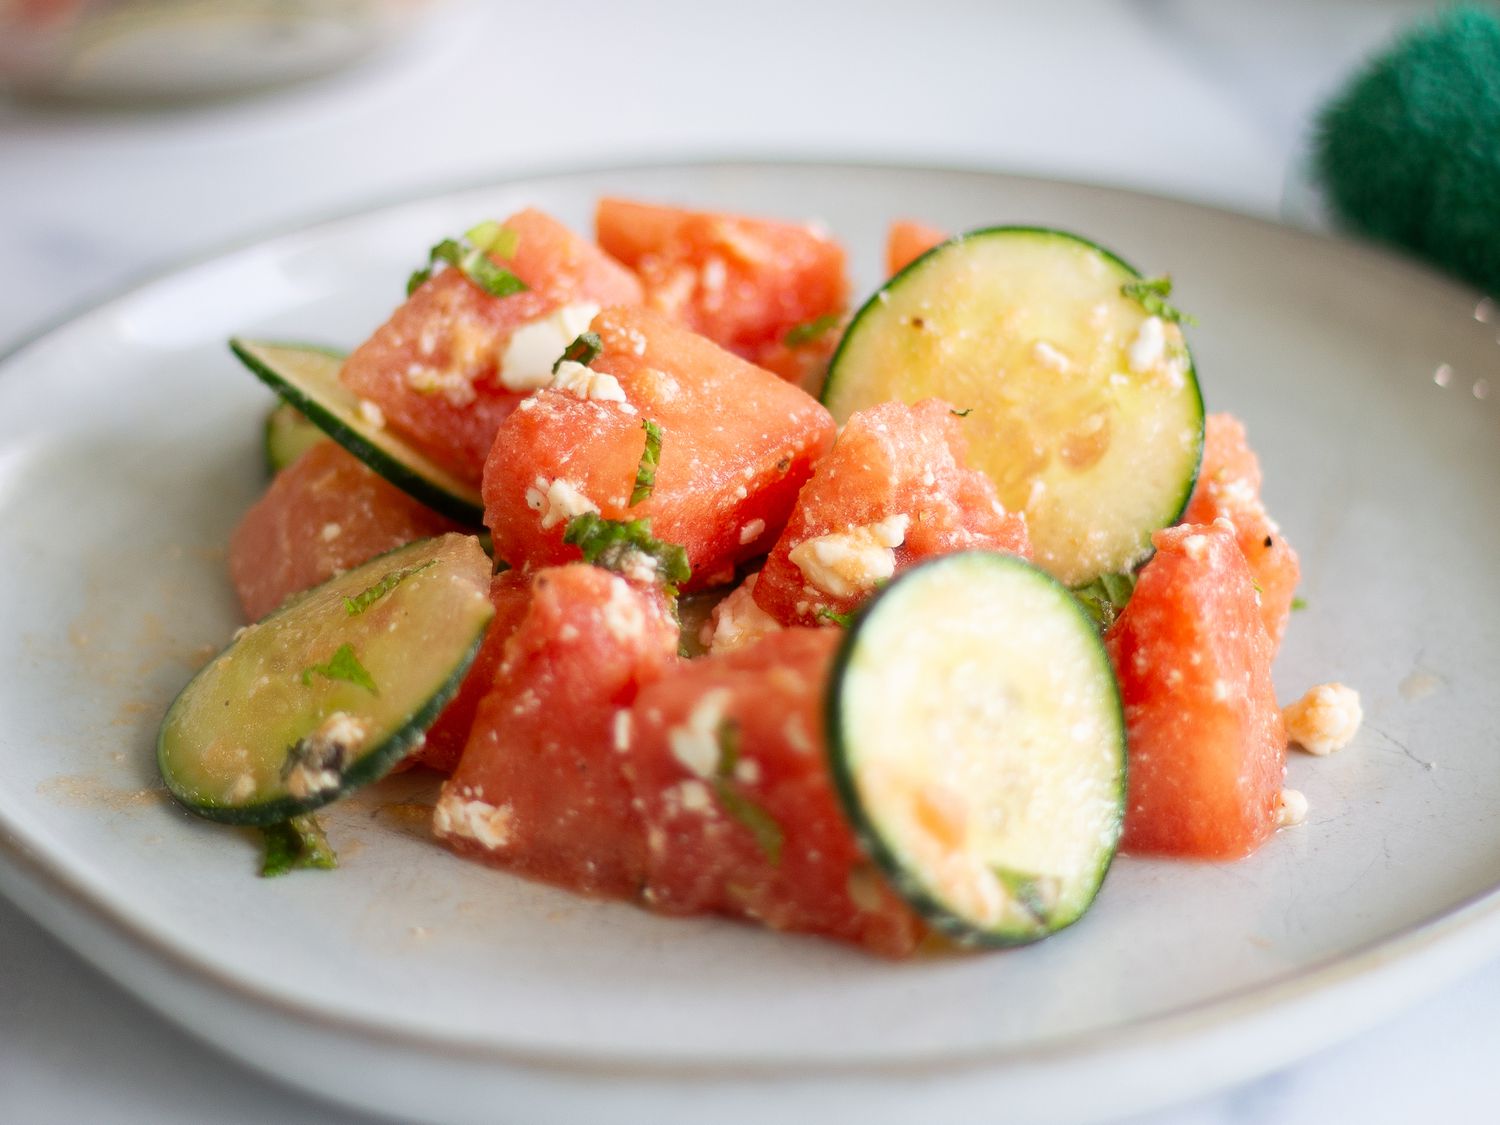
[761, 837]
[893, 491]
[446, 738]
[323, 514]
[433, 367]
[737, 443]
[1206, 742]
[539, 789]
[1229, 488]
[742, 282]
[906, 241]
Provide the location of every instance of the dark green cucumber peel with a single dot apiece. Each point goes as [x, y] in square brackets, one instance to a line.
[837, 395]
[911, 885]
[319, 395]
[374, 758]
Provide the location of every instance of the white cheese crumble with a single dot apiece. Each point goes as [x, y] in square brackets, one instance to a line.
[696, 743]
[622, 614]
[739, 621]
[374, 417]
[1149, 347]
[318, 764]
[1325, 719]
[330, 532]
[557, 502]
[752, 531]
[1049, 356]
[1292, 809]
[586, 383]
[526, 364]
[487, 825]
[845, 563]
[622, 730]
[694, 796]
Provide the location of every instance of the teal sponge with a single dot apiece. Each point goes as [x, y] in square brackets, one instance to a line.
[1409, 152]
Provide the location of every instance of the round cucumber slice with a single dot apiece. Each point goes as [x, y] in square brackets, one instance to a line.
[330, 691]
[307, 377]
[288, 435]
[977, 743]
[1082, 403]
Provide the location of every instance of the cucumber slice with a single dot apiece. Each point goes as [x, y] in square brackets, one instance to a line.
[1083, 407]
[308, 377]
[330, 691]
[977, 743]
[288, 436]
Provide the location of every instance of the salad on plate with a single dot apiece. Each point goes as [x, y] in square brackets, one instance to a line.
[707, 594]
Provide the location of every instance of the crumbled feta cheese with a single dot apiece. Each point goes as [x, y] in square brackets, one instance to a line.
[331, 531]
[586, 383]
[752, 531]
[1049, 356]
[472, 819]
[694, 796]
[558, 502]
[850, 562]
[796, 735]
[1149, 346]
[315, 764]
[622, 730]
[623, 615]
[1292, 810]
[533, 348]
[242, 789]
[1325, 719]
[738, 620]
[1195, 546]
[374, 417]
[696, 743]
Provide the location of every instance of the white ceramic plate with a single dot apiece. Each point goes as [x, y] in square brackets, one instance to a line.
[413, 983]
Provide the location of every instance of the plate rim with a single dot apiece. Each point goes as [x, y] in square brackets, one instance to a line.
[1213, 1016]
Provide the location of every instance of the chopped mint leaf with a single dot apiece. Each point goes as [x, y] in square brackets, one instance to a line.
[343, 665]
[964, 413]
[1025, 890]
[645, 473]
[474, 262]
[841, 619]
[625, 545]
[296, 844]
[585, 349]
[366, 598]
[762, 825]
[804, 334]
[1299, 603]
[1152, 293]
[1105, 597]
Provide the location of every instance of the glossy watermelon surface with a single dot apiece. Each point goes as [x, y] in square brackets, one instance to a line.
[323, 514]
[1206, 744]
[433, 368]
[727, 757]
[891, 462]
[737, 443]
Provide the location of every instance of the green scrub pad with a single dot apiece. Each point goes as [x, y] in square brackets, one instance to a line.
[1409, 152]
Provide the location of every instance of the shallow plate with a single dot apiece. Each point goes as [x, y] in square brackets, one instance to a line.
[413, 983]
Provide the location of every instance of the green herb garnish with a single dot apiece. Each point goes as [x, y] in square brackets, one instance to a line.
[762, 825]
[1105, 597]
[296, 844]
[585, 349]
[841, 619]
[343, 665]
[622, 545]
[366, 598]
[471, 256]
[1299, 603]
[645, 473]
[1152, 293]
[1025, 891]
[804, 334]
[964, 413]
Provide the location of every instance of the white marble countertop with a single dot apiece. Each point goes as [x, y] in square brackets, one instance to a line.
[1194, 100]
